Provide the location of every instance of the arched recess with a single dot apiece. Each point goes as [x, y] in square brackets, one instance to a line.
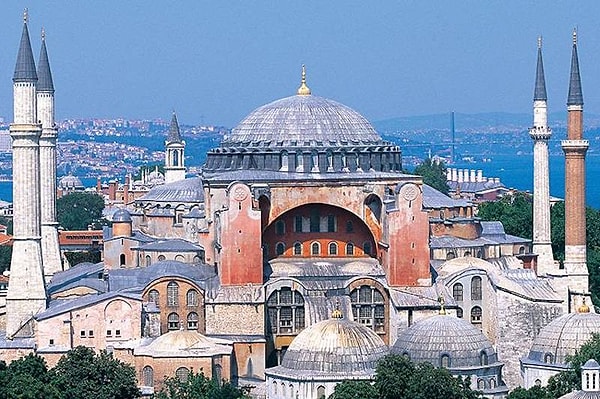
[322, 223]
[373, 207]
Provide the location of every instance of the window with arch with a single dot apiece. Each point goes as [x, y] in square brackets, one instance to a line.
[368, 307]
[192, 321]
[275, 387]
[280, 227]
[548, 358]
[297, 248]
[285, 309]
[459, 313]
[320, 392]
[538, 382]
[450, 255]
[349, 249]
[298, 224]
[476, 315]
[492, 383]
[483, 358]
[315, 248]
[192, 298]
[148, 260]
[467, 254]
[284, 161]
[521, 250]
[122, 260]
[182, 374]
[333, 248]
[476, 288]
[480, 384]
[148, 376]
[445, 360]
[161, 258]
[457, 292]
[153, 296]
[173, 321]
[291, 391]
[367, 249]
[280, 248]
[172, 294]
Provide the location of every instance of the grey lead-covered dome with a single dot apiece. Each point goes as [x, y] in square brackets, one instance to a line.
[121, 215]
[303, 120]
[430, 339]
[335, 346]
[563, 336]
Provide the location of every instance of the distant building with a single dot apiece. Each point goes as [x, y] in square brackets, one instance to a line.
[472, 185]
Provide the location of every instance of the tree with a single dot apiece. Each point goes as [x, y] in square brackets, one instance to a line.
[514, 211]
[5, 257]
[198, 386]
[82, 373]
[535, 392]
[434, 174]
[431, 382]
[393, 375]
[26, 378]
[77, 211]
[352, 389]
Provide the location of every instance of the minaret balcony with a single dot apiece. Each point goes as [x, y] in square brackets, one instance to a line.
[575, 145]
[540, 133]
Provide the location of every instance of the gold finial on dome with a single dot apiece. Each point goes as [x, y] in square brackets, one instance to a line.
[303, 90]
[574, 36]
[337, 313]
[583, 308]
[25, 15]
[442, 302]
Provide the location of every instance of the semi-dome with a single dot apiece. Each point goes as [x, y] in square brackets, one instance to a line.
[305, 121]
[563, 336]
[335, 346]
[430, 339]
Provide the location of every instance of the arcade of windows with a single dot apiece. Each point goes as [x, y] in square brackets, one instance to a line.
[476, 313]
[286, 314]
[315, 249]
[368, 307]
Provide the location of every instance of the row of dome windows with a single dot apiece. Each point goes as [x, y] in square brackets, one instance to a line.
[279, 390]
[173, 296]
[174, 323]
[446, 360]
[476, 314]
[315, 248]
[313, 224]
[182, 374]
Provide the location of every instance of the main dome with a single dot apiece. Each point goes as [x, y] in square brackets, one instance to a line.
[303, 121]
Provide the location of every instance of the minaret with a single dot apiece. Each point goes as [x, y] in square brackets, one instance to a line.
[174, 153]
[540, 133]
[575, 148]
[45, 111]
[26, 292]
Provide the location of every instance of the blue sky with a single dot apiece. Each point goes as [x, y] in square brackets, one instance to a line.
[217, 61]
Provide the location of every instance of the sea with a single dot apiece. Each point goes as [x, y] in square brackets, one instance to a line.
[515, 171]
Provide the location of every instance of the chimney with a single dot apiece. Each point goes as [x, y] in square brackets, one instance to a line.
[472, 177]
[479, 176]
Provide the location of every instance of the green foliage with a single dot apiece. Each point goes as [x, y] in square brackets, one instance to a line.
[514, 211]
[351, 389]
[557, 226]
[77, 211]
[430, 382]
[535, 392]
[434, 174]
[393, 376]
[5, 257]
[26, 378]
[198, 386]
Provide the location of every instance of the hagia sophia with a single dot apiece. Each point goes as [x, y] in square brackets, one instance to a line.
[299, 256]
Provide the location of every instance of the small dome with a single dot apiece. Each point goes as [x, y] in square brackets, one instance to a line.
[180, 340]
[303, 120]
[591, 364]
[70, 182]
[429, 339]
[563, 336]
[121, 215]
[334, 346]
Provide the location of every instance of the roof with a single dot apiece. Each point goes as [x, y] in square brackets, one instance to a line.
[539, 93]
[45, 83]
[434, 199]
[25, 67]
[121, 215]
[174, 136]
[184, 343]
[428, 339]
[476, 187]
[74, 274]
[182, 191]
[302, 121]
[171, 245]
[575, 96]
[60, 306]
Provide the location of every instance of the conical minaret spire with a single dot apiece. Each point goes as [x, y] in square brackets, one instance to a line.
[541, 133]
[174, 153]
[575, 148]
[45, 109]
[26, 292]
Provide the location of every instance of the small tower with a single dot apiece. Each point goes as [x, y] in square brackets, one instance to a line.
[174, 153]
[26, 291]
[575, 148]
[45, 111]
[590, 376]
[540, 133]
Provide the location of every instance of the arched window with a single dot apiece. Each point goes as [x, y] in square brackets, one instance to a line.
[367, 248]
[349, 227]
[476, 288]
[315, 249]
[153, 296]
[457, 292]
[275, 388]
[368, 307]
[297, 248]
[180, 258]
[492, 383]
[280, 227]
[459, 313]
[467, 253]
[450, 255]
[192, 321]
[285, 311]
[122, 259]
[521, 250]
[349, 249]
[148, 260]
[476, 315]
[161, 258]
[548, 358]
[148, 376]
[284, 161]
[480, 384]
[299, 162]
[333, 248]
[538, 383]
[291, 391]
[172, 294]
[280, 248]
[192, 298]
[320, 392]
[445, 361]
[483, 358]
[182, 374]
[173, 321]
